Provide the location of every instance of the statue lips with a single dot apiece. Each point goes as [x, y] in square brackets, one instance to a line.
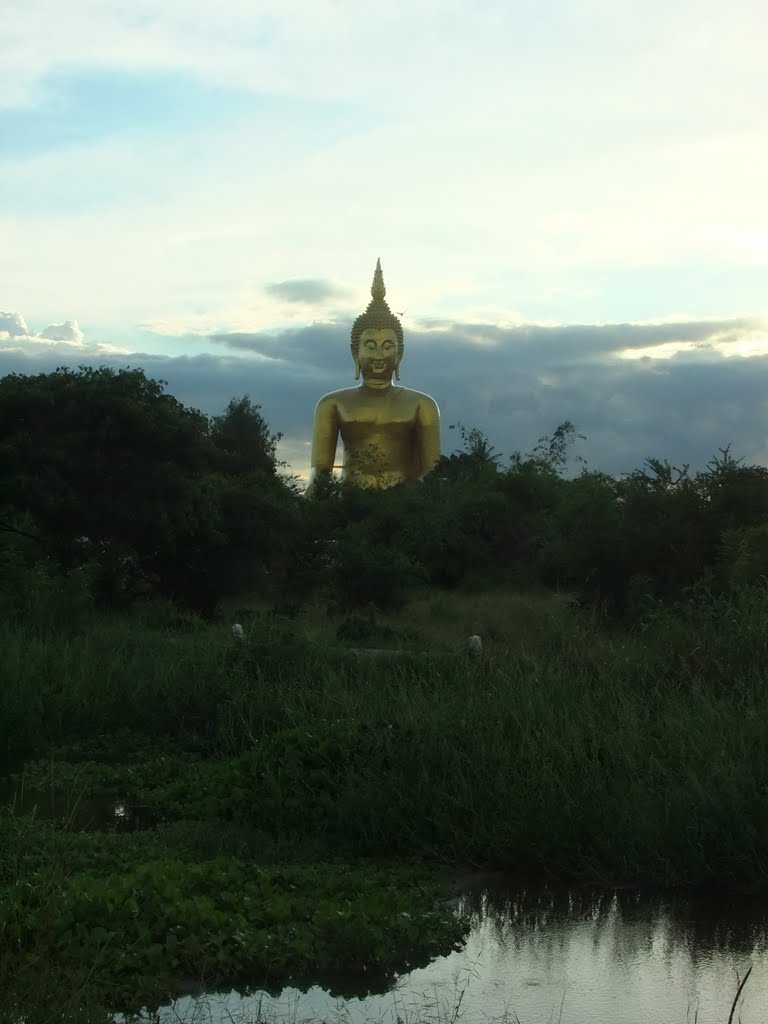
[377, 367]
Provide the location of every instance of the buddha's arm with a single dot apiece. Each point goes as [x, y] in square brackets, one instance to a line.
[428, 420]
[325, 436]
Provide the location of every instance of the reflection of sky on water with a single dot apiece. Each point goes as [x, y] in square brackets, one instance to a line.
[604, 958]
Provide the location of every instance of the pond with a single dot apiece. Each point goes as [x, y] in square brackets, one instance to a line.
[543, 956]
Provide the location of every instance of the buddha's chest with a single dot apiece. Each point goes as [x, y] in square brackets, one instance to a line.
[393, 412]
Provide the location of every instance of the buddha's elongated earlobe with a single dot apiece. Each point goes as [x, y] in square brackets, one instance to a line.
[397, 370]
[357, 361]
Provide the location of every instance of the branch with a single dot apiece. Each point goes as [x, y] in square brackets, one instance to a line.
[738, 993]
[22, 533]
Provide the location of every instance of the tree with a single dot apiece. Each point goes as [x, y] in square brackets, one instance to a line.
[554, 452]
[477, 457]
[103, 466]
[242, 436]
[735, 495]
[98, 456]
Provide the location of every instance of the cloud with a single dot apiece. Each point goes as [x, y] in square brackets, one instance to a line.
[308, 346]
[459, 342]
[56, 341]
[514, 383]
[68, 331]
[518, 383]
[307, 290]
[13, 324]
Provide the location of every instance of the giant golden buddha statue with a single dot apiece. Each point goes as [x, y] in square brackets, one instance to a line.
[390, 433]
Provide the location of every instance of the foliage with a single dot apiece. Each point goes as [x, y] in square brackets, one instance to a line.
[744, 555]
[552, 453]
[230, 923]
[172, 504]
[97, 457]
[477, 458]
[563, 726]
[37, 590]
[366, 569]
[243, 437]
[103, 468]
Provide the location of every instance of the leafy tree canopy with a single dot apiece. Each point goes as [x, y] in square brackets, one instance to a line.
[103, 465]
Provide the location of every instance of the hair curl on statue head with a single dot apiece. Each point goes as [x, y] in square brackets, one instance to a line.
[378, 315]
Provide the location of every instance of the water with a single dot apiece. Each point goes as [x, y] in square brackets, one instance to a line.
[542, 957]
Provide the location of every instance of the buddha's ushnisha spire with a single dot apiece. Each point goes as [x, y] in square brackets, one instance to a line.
[378, 291]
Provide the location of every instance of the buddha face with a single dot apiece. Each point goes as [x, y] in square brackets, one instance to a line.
[377, 353]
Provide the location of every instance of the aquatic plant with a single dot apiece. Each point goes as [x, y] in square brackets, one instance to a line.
[225, 921]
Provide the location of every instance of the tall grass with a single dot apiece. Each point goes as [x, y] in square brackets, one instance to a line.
[564, 750]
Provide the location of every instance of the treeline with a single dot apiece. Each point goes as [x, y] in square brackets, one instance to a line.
[112, 491]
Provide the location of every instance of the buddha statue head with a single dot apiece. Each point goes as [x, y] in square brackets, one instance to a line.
[380, 334]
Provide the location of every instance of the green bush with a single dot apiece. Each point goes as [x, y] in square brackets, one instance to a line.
[366, 570]
[36, 591]
[744, 555]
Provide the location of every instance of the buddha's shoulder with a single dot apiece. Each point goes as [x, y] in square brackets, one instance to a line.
[334, 398]
[354, 396]
[423, 404]
[418, 396]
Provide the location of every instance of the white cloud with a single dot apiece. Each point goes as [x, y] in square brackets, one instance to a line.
[68, 331]
[13, 325]
[61, 341]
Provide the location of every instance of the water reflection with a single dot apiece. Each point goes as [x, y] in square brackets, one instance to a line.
[545, 956]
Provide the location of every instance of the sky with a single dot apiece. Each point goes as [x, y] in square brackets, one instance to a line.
[569, 199]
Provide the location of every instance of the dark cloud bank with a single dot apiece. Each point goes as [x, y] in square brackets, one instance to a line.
[515, 384]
